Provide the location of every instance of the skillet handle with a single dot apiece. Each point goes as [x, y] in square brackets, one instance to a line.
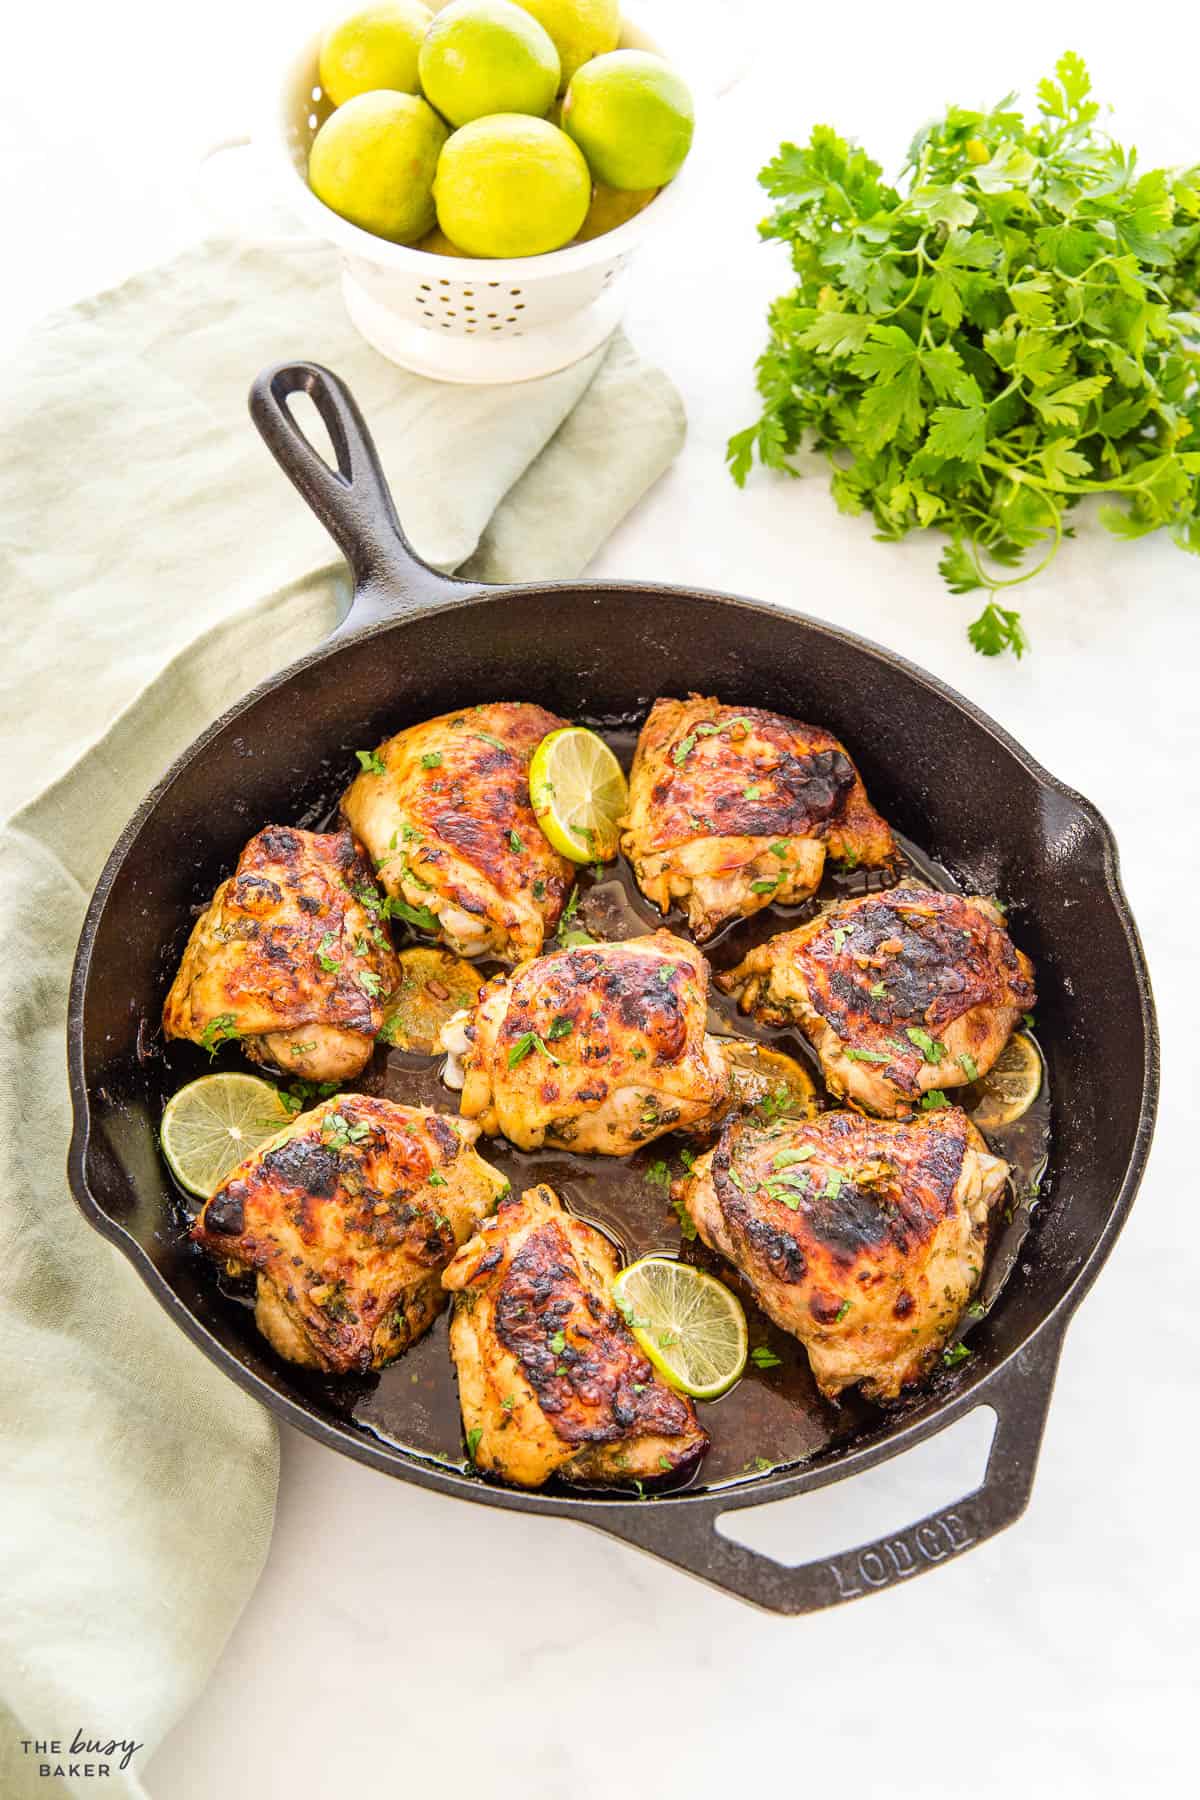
[1020, 1395]
[353, 502]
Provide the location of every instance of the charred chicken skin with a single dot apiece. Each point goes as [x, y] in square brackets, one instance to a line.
[290, 958]
[348, 1217]
[899, 992]
[550, 1379]
[598, 1048]
[864, 1238]
[443, 809]
[732, 808]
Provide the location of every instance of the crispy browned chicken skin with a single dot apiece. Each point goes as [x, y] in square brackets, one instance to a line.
[289, 957]
[732, 808]
[549, 1377]
[447, 821]
[597, 1048]
[864, 1238]
[348, 1218]
[899, 993]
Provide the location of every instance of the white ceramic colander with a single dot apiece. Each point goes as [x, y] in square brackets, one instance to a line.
[458, 318]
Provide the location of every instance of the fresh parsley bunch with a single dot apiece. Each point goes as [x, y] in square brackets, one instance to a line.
[1012, 329]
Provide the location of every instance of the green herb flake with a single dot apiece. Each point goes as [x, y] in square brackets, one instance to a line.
[930, 1049]
[432, 759]
[473, 1437]
[969, 1066]
[933, 1101]
[955, 1354]
[762, 1358]
[783, 1159]
[371, 762]
[219, 1031]
[687, 1225]
[515, 843]
[420, 916]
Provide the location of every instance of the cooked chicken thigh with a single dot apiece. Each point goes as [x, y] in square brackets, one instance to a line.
[899, 993]
[864, 1238]
[443, 809]
[290, 958]
[348, 1217]
[549, 1377]
[598, 1048]
[732, 808]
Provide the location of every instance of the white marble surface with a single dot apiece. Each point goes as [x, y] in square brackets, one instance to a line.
[398, 1642]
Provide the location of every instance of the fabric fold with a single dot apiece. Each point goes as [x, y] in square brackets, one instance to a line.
[160, 566]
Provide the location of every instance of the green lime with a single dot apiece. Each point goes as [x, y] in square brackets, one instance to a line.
[211, 1126]
[1011, 1085]
[511, 186]
[374, 48]
[632, 117]
[373, 161]
[580, 29]
[438, 244]
[487, 56]
[611, 207]
[688, 1323]
[578, 793]
[434, 985]
[770, 1083]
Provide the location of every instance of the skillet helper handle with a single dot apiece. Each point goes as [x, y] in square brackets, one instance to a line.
[353, 501]
[1020, 1395]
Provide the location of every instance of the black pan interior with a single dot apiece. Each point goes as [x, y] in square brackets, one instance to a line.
[943, 777]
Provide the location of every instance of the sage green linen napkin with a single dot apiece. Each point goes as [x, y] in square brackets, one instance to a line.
[156, 564]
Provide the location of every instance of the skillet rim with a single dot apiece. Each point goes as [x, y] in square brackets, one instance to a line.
[608, 1512]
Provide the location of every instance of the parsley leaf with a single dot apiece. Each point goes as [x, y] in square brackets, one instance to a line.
[1007, 329]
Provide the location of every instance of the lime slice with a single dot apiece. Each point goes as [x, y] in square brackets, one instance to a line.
[578, 793]
[434, 985]
[770, 1083]
[1010, 1087]
[211, 1126]
[689, 1324]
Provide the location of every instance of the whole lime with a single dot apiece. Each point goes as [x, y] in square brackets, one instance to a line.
[438, 244]
[510, 185]
[487, 56]
[373, 161]
[632, 117]
[581, 29]
[612, 207]
[374, 48]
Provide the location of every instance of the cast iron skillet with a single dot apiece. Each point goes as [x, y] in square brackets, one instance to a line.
[417, 643]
